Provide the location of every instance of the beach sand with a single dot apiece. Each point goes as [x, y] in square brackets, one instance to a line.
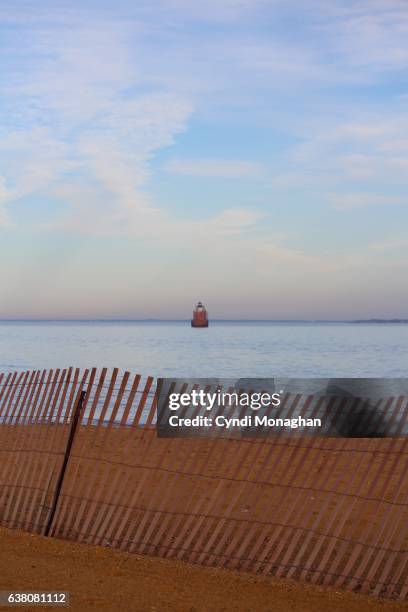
[100, 578]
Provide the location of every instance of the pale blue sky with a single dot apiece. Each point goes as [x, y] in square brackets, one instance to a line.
[249, 153]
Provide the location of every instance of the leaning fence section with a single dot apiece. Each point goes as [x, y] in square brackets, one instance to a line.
[332, 511]
[35, 415]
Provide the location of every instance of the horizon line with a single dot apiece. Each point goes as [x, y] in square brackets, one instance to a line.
[215, 320]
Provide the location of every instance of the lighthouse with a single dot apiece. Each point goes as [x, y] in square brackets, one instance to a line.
[199, 316]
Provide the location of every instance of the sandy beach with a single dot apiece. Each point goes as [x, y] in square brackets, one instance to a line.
[100, 578]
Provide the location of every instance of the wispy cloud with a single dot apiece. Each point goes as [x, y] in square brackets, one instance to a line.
[361, 157]
[83, 120]
[217, 168]
[348, 201]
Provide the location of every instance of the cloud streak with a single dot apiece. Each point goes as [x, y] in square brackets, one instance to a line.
[217, 168]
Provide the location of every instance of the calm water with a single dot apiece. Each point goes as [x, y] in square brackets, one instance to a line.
[224, 349]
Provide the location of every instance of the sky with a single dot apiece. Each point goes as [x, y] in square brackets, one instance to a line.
[252, 154]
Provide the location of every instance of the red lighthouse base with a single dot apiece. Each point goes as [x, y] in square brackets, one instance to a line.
[199, 323]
